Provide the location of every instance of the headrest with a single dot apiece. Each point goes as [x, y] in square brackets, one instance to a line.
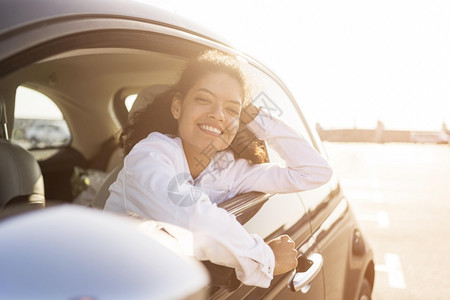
[20, 174]
[145, 97]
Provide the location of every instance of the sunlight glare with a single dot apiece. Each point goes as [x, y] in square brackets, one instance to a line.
[31, 104]
[349, 63]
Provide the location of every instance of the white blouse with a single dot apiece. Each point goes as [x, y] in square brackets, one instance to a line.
[155, 183]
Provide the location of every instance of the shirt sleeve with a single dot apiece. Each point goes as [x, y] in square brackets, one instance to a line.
[152, 189]
[304, 168]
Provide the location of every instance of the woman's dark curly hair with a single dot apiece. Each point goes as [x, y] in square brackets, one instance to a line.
[157, 116]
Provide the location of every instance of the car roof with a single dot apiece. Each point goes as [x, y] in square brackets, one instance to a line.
[16, 14]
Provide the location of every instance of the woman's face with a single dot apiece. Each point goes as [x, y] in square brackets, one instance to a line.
[208, 116]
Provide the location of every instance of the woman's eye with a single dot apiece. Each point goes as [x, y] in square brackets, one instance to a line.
[203, 100]
[233, 111]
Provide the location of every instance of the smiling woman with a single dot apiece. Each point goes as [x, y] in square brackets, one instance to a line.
[225, 91]
[192, 154]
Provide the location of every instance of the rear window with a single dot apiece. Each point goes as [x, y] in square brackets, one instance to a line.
[38, 122]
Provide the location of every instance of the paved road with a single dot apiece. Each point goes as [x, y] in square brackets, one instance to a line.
[401, 195]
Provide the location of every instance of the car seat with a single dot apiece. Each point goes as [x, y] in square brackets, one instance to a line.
[21, 181]
[144, 98]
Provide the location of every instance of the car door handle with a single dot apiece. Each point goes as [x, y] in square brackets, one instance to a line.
[301, 281]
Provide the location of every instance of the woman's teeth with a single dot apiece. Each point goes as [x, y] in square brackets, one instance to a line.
[210, 128]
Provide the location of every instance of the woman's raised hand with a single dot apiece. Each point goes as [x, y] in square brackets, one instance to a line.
[249, 112]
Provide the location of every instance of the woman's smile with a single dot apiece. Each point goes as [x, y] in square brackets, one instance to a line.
[211, 129]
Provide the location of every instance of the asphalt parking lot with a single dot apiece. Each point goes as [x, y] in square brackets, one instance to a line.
[400, 194]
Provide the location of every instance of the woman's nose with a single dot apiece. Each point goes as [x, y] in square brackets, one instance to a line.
[216, 112]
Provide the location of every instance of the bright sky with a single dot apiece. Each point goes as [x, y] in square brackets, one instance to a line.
[348, 62]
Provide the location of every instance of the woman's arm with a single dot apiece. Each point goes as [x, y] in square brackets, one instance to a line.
[151, 186]
[304, 167]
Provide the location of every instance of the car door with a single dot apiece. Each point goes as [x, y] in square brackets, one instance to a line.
[334, 230]
[274, 215]
[338, 238]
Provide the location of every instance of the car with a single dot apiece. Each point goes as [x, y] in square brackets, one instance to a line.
[47, 134]
[91, 59]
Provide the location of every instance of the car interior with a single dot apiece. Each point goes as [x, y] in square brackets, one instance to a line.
[89, 87]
